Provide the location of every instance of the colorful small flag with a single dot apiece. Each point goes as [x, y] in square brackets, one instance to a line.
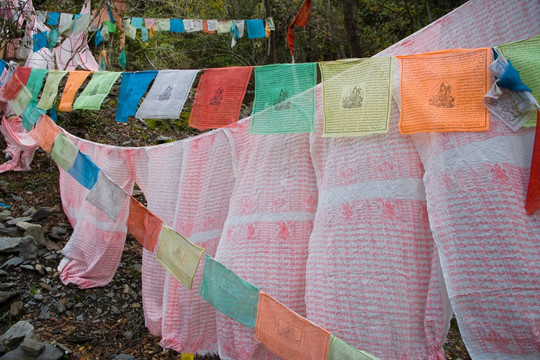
[255, 29]
[179, 256]
[31, 115]
[98, 39]
[285, 99]
[288, 334]
[340, 350]
[229, 293]
[84, 170]
[12, 87]
[44, 133]
[144, 34]
[23, 73]
[21, 101]
[357, 96]
[301, 19]
[122, 61]
[143, 225]
[52, 38]
[74, 82]
[51, 89]
[219, 96]
[224, 26]
[107, 196]
[53, 18]
[167, 95]
[177, 26]
[64, 152]
[163, 25]
[130, 30]
[40, 41]
[111, 27]
[443, 91]
[35, 82]
[97, 89]
[137, 22]
[132, 88]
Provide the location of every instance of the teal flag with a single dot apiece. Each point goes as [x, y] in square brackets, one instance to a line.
[122, 59]
[96, 90]
[285, 99]
[229, 293]
[31, 115]
[35, 81]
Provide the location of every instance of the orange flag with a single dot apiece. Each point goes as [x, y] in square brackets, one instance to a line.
[301, 19]
[73, 83]
[45, 132]
[143, 225]
[443, 91]
[288, 334]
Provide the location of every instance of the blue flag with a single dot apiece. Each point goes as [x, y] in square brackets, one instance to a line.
[132, 88]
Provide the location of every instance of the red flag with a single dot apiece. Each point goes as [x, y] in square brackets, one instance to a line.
[301, 19]
[533, 194]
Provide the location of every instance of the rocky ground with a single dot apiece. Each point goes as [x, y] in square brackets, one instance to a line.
[59, 321]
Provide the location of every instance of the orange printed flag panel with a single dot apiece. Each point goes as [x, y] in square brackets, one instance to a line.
[45, 133]
[219, 96]
[143, 225]
[75, 80]
[443, 91]
[288, 334]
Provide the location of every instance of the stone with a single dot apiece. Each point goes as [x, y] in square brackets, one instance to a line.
[32, 345]
[10, 244]
[6, 295]
[58, 230]
[39, 268]
[49, 353]
[42, 213]
[123, 357]
[60, 307]
[34, 230]
[16, 308]
[16, 198]
[4, 214]
[16, 334]
[29, 211]
[80, 318]
[11, 231]
[45, 313]
[11, 263]
[3, 273]
[38, 297]
[28, 248]
[19, 219]
[5, 286]
[27, 267]
[163, 139]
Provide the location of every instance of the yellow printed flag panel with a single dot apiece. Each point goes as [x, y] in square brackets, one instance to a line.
[442, 91]
[357, 96]
[179, 256]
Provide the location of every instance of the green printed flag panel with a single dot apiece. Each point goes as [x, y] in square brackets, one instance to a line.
[31, 115]
[64, 152]
[340, 350]
[525, 56]
[179, 256]
[357, 96]
[21, 101]
[51, 89]
[35, 81]
[285, 99]
[96, 90]
[229, 293]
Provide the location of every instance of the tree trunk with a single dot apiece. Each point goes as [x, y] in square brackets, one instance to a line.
[351, 27]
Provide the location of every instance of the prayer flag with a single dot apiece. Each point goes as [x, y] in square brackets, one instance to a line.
[41, 16]
[132, 88]
[111, 27]
[357, 96]
[288, 334]
[144, 34]
[525, 56]
[270, 24]
[107, 196]
[143, 225]
[301, 19]
[96, 90]
[65, 19]
[53, 115]
[137, 22]
[31, 115]
[229, 293]
[211, 26]
[149, 21]
[12, 87]
[98, 39]
[205, 28]
[35, 81]
[52, 38]
[130, 31]
[443, 91]
[75, 80]
[177, 26]
[193, 25]
[53, 18]
[219, 96]
[45, 133]
[21, 101]
[51, 88]
[64, 152]
[179, 256]
[82, 22]
[255, 29]
[40, 41]
[163, 25]
[84, 170]
[151, 31]
[285, 99]
[167, 95]
[533, 193]
[340, 350]
[122, 61]
[23, 73]
[224, 26]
